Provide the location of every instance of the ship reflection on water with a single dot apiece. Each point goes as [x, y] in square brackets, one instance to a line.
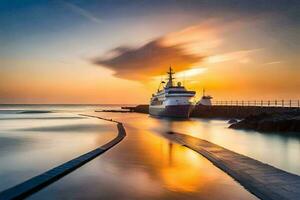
[179, 177]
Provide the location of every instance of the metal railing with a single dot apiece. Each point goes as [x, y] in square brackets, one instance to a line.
[260, 103]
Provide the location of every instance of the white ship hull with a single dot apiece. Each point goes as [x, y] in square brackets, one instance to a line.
[179, 107]
[178, 111]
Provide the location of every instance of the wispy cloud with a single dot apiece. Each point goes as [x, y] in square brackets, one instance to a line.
[242, 56]
[198, 38]
[191, 72]
[273, 63]
[84, 13]
[187, 73]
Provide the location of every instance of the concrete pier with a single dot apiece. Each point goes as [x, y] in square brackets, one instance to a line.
[240, 112]
[36, 183]
[263, 180]
[222, 111]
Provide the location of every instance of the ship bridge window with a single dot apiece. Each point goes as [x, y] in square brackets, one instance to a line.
[181, 92]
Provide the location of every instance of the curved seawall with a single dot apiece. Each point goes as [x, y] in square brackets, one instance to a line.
[36, 183]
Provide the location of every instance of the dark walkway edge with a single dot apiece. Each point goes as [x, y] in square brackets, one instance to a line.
[36, 183]
[263, 180]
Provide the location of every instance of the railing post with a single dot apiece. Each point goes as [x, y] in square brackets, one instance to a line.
[262, 103]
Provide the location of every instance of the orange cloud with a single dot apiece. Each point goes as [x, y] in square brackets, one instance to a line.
[149, 60]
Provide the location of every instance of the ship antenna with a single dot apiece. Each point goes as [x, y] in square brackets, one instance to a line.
[170, 81]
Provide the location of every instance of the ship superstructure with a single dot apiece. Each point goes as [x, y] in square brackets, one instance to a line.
[172, 100]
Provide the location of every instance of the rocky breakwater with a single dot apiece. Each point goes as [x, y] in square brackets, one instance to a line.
[143, 108]
[271, 122]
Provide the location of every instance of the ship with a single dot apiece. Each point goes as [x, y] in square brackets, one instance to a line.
[172, 100]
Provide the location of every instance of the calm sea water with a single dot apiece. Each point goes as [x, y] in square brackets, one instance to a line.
[143, 166]
[31, 143]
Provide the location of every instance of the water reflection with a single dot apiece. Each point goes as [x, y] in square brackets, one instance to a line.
[145, 165]
[176, 175]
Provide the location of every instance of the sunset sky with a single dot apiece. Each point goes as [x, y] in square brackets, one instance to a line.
[101, 51]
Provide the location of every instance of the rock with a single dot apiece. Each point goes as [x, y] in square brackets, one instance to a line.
[271, 122]
[232, 121]
[170, 132]
[141, 109]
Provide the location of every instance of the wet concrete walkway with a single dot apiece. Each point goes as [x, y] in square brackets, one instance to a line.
[36, 183]
[263, 180]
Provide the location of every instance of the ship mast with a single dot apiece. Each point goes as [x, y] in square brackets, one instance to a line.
[170, 79]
